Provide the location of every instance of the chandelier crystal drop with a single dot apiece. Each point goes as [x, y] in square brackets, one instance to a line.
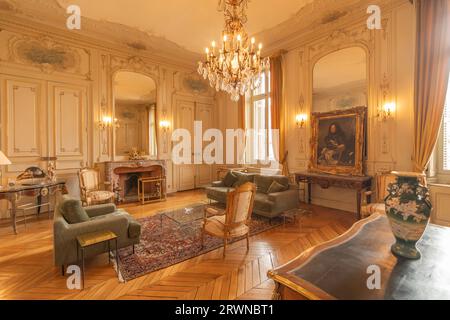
[236, 66]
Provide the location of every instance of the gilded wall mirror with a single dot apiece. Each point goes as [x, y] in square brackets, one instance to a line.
[339, 113]
[135, 115]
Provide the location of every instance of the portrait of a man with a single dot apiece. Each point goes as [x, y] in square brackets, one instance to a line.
[338, 145]
[338, 141]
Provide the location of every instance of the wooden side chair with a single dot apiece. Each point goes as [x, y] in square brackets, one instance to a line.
[382, 180]
[233, 221]
[90, 188]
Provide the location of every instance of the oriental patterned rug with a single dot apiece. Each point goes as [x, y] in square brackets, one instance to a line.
[165, 241]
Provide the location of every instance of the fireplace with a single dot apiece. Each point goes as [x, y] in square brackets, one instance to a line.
[130, 187]
[124, 177]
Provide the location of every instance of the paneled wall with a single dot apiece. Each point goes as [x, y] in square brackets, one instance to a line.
[55, 88]
[390, 60]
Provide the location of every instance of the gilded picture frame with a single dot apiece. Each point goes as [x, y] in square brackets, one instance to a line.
[337, 142]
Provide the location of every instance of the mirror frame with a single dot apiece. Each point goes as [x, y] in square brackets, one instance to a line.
[320, 51]
[152, 76]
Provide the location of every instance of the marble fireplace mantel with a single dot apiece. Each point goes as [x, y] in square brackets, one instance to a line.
[114, 170]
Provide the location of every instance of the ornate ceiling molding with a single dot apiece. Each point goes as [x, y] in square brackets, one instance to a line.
[135, 64]
[47, 16]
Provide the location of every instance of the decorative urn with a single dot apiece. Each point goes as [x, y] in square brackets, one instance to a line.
[408, 209]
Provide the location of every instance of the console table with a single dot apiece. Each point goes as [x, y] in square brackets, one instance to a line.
[340, 268]
[326, 181]
[14, 194]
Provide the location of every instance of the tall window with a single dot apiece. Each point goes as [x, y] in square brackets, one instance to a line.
[444, 143]
[257, 118]
[446, 134]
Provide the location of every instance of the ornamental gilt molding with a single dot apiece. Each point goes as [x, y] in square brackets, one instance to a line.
[44, 53]
[341, 38]
[135, 64]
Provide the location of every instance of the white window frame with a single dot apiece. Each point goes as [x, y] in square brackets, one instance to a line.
[437, 161]
[250, 100]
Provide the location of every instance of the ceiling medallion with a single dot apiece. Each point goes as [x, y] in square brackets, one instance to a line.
[236, 66]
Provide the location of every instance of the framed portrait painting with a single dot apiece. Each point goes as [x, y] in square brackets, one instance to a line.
[337, 142]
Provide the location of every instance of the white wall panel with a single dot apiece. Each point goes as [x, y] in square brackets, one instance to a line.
[23, 109]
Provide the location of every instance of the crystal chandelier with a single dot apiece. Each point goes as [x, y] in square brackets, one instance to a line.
[236, 66]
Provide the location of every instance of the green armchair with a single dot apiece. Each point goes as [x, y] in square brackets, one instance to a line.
[99, 218]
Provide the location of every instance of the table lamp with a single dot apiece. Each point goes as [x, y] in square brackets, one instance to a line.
[4, 161]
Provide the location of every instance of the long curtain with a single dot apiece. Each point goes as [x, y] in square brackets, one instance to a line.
[432, 73]
[242, 119]
[277, 110]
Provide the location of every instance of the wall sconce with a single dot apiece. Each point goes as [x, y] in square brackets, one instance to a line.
[300, 119]
[108, 122]
[386, 111]
[164, 124]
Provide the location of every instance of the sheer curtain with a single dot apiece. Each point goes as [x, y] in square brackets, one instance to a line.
[432, 74]
[277, 109]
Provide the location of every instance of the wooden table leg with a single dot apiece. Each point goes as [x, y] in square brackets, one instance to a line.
[12, 200]
[309, 192]
[39, 202]
[82, 267]
[358, 204]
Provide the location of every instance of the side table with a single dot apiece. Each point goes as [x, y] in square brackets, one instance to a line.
[89, 239]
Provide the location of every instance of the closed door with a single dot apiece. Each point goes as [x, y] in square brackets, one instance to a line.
[191, 176]
[185, 120]
[204, 172]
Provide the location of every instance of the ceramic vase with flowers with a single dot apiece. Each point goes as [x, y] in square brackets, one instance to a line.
[408, 208]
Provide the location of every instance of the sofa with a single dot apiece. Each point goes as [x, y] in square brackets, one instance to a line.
[269, 202]
[72, 220]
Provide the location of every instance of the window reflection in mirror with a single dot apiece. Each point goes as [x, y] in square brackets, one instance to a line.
[340, 80]
[135, 114]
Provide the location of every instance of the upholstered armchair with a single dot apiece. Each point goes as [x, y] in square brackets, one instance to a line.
[72, 220]
[233, 221]
[382, 182]
[90, 188]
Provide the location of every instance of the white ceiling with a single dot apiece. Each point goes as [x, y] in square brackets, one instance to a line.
[134, 87]
[192, 24]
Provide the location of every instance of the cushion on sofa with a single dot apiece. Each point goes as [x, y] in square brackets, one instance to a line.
[229, 179]
[243, 178]
[73, 211]
[264, 182]
[277, 187]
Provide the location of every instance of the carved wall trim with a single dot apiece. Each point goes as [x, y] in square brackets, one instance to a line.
[135, 64]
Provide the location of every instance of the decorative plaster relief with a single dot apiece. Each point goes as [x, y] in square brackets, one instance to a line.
[192, 83]
[195, 84]
[341, 38]
[6, 5]
[135, 64]
[44, 53]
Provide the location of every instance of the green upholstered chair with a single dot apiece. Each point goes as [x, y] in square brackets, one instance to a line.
[104, 217]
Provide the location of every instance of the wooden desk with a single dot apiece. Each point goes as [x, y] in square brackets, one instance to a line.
[338, 269]
[14, 194]
[326, 181]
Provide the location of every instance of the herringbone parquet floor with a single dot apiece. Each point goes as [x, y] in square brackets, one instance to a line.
[27, 271]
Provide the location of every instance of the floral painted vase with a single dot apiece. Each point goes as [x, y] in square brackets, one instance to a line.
[408, 208]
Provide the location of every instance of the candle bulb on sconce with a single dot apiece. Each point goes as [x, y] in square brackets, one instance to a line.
[164, 124]
[108, 122]
[387, 111]
[300, 119]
